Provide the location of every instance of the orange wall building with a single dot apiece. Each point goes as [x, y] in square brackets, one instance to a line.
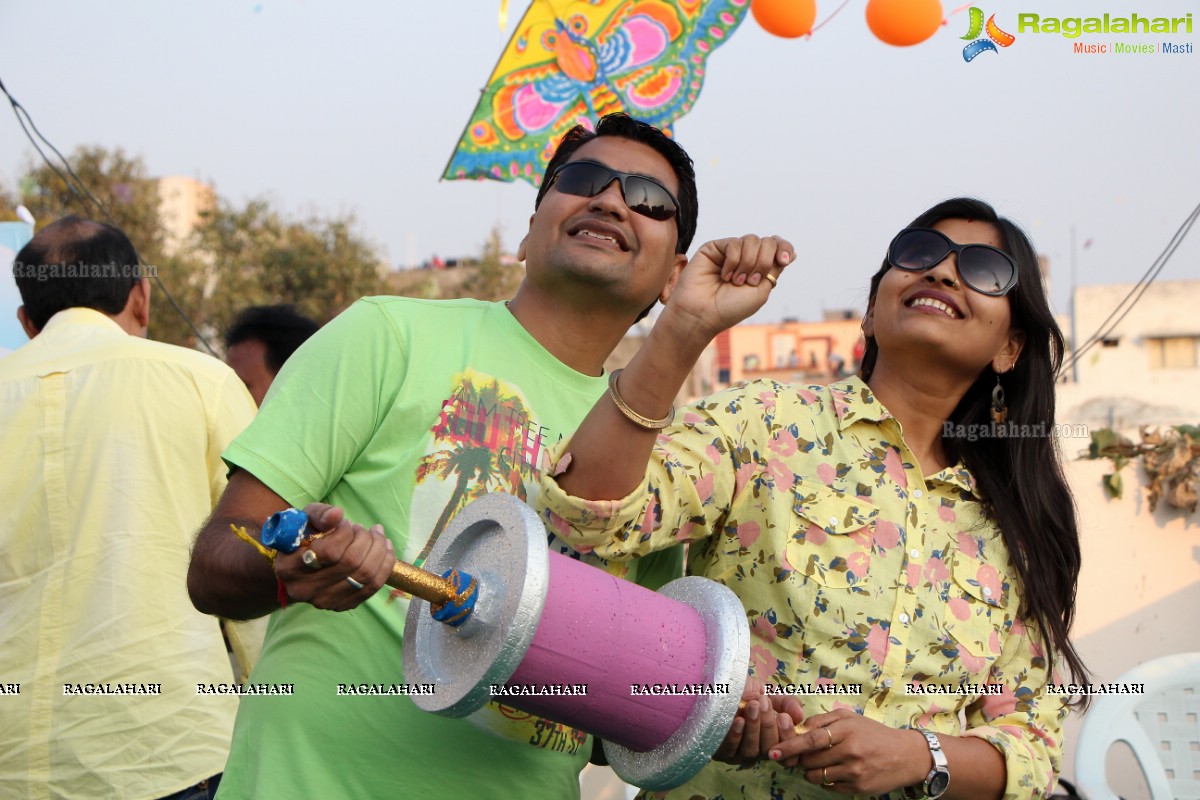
[789, 351]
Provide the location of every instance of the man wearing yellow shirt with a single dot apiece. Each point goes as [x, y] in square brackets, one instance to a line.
[113, 447]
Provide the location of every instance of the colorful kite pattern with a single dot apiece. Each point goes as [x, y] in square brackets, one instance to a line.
[573, 61]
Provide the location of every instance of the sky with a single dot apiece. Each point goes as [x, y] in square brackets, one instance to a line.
[834, 141]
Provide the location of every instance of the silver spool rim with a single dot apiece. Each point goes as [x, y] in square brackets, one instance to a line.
[727, 661]
[512, 595]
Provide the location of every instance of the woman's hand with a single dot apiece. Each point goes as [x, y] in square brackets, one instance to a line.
[726, 281]
[850, 754]
[761, 723]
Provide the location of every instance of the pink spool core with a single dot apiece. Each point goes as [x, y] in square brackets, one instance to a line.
[611, 634]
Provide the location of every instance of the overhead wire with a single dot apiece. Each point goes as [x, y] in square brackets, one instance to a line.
[81, 191]
[1104, 330]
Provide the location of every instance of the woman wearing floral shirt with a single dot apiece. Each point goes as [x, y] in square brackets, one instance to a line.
[903, 557]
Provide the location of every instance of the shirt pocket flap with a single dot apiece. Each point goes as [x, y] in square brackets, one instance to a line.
[823, 543]
[834, 513]
[977, 610]
[981, 580]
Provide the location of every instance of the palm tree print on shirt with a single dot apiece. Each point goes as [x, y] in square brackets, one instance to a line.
[485, 441]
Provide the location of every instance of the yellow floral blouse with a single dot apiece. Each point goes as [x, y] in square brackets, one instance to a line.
[856, 572]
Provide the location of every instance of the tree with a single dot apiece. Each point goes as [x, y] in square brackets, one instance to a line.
[119, 182]
[491, 276]
[493, 279]
[8, 204]
[239, 257]
[235, 257]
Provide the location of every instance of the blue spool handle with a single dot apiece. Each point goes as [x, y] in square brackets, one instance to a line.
[452, 596]
[285, 530]
[458, 609]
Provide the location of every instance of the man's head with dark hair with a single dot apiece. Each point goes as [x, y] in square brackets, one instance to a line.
[608, 248]
[261, 339]
[75, 263]
[626, 127]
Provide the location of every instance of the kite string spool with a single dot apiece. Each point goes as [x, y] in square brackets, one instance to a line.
[615, 638]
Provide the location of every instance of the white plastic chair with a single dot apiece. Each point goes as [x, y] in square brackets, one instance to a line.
[1162, 727]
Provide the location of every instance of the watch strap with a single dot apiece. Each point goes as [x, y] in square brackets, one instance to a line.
[921, 790]
[940, 764]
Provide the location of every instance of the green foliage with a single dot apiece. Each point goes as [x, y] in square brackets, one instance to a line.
[1113, 484]
[493, 279]
[8, 205]
[1170, 458]
[1106, 441]
[120, 182]
[235, 257]
[239, 257]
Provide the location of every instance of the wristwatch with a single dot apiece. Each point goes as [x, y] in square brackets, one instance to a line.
[938, 779]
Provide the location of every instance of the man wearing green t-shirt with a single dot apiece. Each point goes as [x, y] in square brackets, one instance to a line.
[397, 414]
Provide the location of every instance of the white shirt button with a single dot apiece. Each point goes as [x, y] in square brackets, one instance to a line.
[904, 619]
[915, 553]
[887, 683]
[833, 520]
[917, 493]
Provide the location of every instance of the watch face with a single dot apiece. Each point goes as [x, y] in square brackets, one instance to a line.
[938, 784]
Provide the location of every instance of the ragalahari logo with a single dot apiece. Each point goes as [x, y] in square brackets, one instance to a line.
[995, 36]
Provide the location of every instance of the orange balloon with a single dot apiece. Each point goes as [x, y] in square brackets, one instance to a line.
[786, 18]
[904, 22]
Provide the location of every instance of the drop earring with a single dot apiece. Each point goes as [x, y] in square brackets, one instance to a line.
[999, 408]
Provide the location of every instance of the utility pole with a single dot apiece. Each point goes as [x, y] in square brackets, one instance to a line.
[1074, 315]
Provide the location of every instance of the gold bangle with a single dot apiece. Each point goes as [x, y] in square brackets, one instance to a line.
[630, 414]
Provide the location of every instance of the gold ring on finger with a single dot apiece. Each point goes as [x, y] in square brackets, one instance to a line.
[774, 281]
[830, 734]
[825, 777]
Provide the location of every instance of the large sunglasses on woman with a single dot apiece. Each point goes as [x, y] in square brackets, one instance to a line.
[646, 196]
[984, 268]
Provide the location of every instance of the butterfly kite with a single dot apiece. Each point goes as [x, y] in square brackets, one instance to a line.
[573, 61]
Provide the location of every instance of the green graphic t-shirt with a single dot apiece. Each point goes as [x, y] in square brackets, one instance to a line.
[402, 411]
